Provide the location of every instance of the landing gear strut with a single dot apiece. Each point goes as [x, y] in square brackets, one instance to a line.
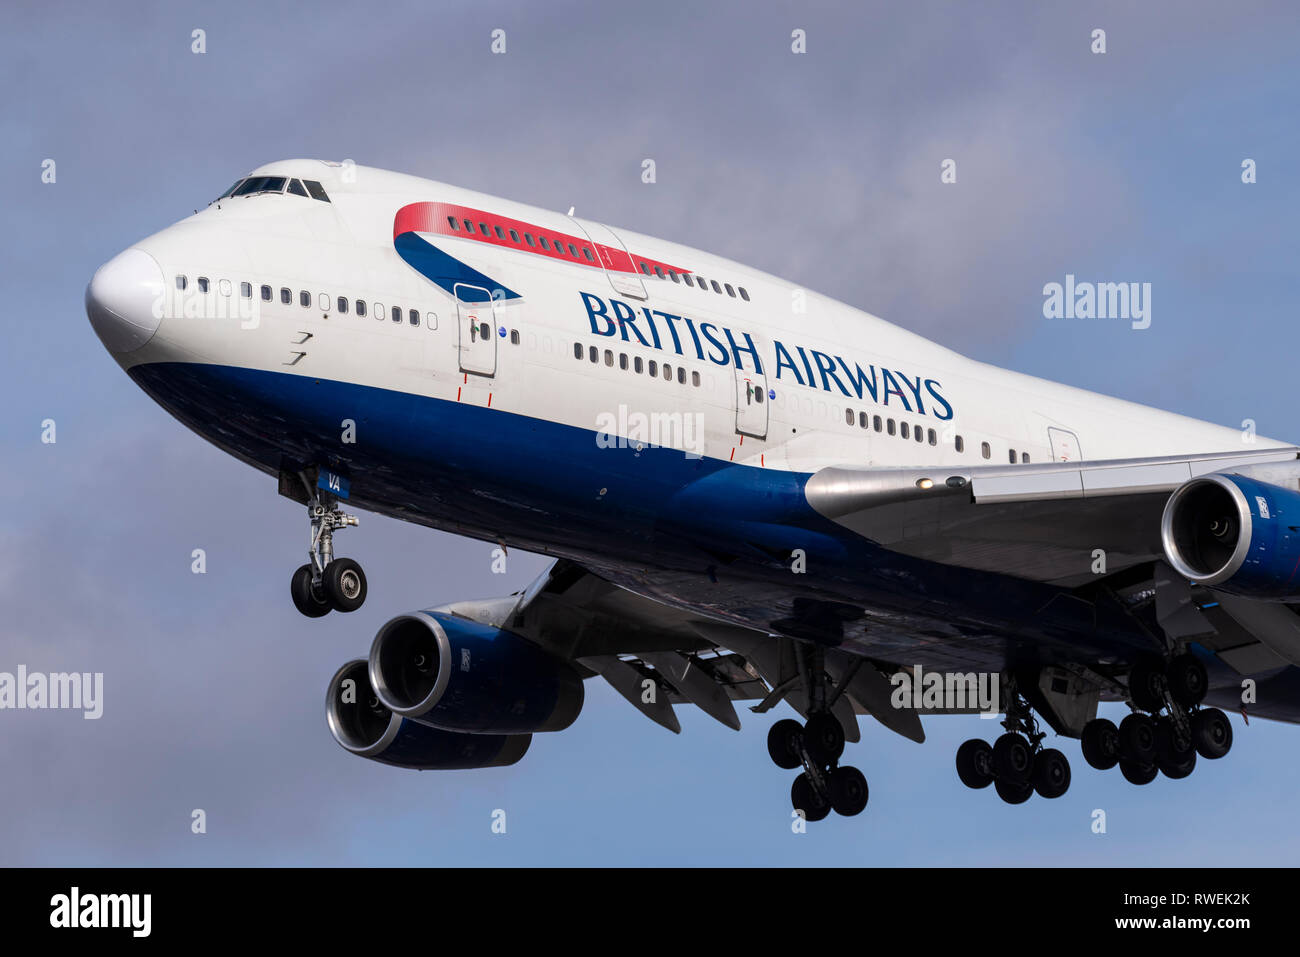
[816, 746]
[1172, 732]
[1017, 764]
[327, 583]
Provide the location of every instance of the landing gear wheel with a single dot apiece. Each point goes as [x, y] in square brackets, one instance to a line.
[1179, 767]
[1051, 774]
[305, 597]
[823, 736]
[848, 791]
[1013, 793]
[1188, 681]
[1012, 760]
[1137, 773]
[345, 584]
[1137, 740]
[783, 740]
[1100, 743]
[1167, 745]
[804, 798]
[1146, 684]
[975, 764]
[1211, 733]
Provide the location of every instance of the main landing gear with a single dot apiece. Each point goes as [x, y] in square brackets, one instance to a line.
[1149, 742]
[327, 583]
[1016, 764]
[816, 746]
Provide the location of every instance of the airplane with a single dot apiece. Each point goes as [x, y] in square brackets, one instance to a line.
[749, 492]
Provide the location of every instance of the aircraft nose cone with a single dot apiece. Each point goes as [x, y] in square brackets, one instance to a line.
[124, 300]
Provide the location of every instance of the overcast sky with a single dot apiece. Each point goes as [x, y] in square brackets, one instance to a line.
[822, 168]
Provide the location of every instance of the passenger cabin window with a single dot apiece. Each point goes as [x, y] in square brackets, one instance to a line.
[455, 226]
[304, 299]
[1013, 456]
[890, 426]
[730, 292]
[637, 365]
[286, 295]
[203, 284]
[316, 190]
[577, 350]
[587, 252]
[1024, 458]
[413, 316]
[266, 294]
[514, 337]
[985, 451]
[903, 428]
[246, 290]
[716, 287]
[877, 423]
[545, 244]
[528, 238]
[593, 354]
[689, 281]
[181, 283]
[397, 314]
[343, 305]
[743, 295]
[848, 416]
[361, 308]
[296, 187]
[500, 232]
[960, 444]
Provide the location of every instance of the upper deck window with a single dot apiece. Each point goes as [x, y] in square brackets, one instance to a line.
[316, 190]
[260, 184]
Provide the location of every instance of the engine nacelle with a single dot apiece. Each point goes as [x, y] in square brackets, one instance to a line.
[361, 724]
[1236, 534]
[460, 675]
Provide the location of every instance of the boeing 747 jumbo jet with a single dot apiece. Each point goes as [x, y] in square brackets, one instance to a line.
[751, 492]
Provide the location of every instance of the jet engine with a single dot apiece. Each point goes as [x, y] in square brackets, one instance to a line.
[362, 725]
[456, 674]
[1236, 534]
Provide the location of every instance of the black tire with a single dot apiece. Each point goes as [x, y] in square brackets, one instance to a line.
[1178, 768]
[1146, 681]
[1211, 733]
[345, 584]
[848, 791]
[1188, 681]
[1012, 792]
[805, 799]
[823, 736]
[1051, 776]
[1138, 774]
[1137, 740]
[1167, 746]
[305, 597]
[1100, 743]
[1013, 760]
[783, 740]
[975, 764]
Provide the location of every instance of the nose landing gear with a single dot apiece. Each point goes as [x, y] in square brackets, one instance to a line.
[327, 583]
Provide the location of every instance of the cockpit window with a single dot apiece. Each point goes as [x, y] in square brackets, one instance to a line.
[296, 188]
[234, 186]
[317, 191]
[260, 184]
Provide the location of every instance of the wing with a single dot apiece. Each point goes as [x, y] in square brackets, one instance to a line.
[657, 656]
